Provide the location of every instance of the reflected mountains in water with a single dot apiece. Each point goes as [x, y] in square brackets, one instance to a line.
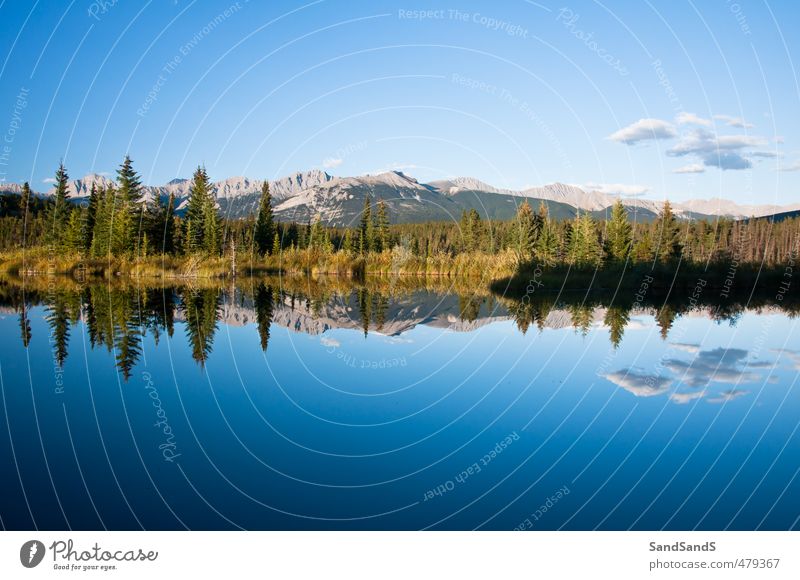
[118, 315]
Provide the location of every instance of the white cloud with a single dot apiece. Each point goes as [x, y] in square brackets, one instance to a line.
[702, 141]
[691, 168]
[639, 384]
[395, 166]
[727, 161]
[686, 346]
[793, 166]
[691, 119]
[327, 341]
[720, 365]
[49, 180]
[331, 162]
[726, 396]
[683, 398]
[644, 130]
[792, 355]
[717, 151]
[398, 340]
[617, 188]
[734, 121]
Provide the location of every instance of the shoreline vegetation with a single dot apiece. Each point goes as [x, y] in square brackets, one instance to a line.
[115, 233]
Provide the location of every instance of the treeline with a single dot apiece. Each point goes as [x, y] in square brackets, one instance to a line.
[117, 222]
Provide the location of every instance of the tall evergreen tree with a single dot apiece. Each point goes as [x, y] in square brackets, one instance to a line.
[618, 233]
[58, 217]
[168, 242]
[525, 232]
[104, 215]
[201, 226]
[129, 216]
[643, 247]
[25, 200]
[365, 227]
[91, 218]
[547, 244]
[73, 236]
[668, 235]
[381, 227]
[264, 233]
[584, 248]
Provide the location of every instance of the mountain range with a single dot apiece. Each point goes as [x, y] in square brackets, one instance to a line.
[338, 201]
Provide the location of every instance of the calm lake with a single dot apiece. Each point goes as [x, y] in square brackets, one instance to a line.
[327, 404]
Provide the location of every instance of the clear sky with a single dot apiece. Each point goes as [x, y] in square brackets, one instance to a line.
[681, 99]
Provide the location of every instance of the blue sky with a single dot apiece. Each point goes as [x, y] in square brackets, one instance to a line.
[616, 96]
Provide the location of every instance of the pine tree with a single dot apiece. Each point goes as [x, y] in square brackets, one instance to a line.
[382, 228]
[101, 232]
[265, 226]
[584, 246]
[91, 218]
[525, 232]
[466, 231]
[276, 243]
[667, 230]
[365, 228]
[547, 245]
[73, 236]
[643, 247]
[618, 233]
[129, 214]
[212, 229]
[59, 213]
[201, 231]
[168, 241]
[25, 200]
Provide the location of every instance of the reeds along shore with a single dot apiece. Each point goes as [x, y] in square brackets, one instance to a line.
[39, 262]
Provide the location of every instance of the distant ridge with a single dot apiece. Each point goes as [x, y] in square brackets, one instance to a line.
[338, 201]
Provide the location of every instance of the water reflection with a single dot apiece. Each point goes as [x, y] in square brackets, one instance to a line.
[120, 315]
[377, 391]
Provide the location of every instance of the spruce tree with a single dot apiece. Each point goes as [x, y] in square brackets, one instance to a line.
[382, 228]
[525, 232]
[365, 228]
[104, 215]
[201, 229]
[347, 241]
[59, 212]
[25, 200]
[584, 246]
[129, 211]
[91, 218]
[547, 244]
[73, 235]
[212, 229]
[643, 247]
[276, 243]
[668, 235]
[618, 233]
[168, 241]
[264, 233]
